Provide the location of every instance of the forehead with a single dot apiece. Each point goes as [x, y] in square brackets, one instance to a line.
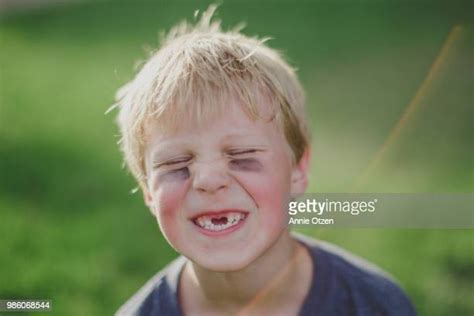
[231, 123]
[194, 114]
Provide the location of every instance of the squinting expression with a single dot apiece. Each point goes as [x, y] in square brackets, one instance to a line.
[220, 190]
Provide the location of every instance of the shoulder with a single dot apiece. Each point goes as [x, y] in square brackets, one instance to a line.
[159, 294]
[362, 287]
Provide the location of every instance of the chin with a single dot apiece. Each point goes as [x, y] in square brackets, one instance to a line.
[225, 262]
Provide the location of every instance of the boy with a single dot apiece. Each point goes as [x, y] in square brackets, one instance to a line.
[213, 128]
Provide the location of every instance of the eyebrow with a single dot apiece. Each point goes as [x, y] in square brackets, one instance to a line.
[237, 135]
[165, 151]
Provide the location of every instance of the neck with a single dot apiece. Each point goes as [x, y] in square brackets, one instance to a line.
[275, 277]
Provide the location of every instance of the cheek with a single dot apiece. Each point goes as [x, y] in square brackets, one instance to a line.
[167, 203]
[271, 193]
[166, 194]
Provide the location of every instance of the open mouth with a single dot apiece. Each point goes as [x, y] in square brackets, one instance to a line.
[219, 221]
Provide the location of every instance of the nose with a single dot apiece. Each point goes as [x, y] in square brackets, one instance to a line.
[210, 177]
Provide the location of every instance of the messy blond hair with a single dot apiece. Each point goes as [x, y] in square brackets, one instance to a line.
[202, 65]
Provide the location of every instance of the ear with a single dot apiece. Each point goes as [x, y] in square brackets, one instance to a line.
[148, 198]
[299, 174]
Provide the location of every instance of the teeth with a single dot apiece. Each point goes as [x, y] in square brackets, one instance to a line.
[233, 218]
[201, 221]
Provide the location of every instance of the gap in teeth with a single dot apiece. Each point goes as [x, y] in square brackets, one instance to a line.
[219, 220]
[217, 223]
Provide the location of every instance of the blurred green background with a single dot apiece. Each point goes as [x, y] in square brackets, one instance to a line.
[70, 229]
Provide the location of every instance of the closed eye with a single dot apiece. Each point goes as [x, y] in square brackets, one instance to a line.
[245, 160]
[172, 162]
[177, 174]
[243, 152]
[245, 164]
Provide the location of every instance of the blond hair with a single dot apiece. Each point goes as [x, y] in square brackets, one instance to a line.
[202, 63]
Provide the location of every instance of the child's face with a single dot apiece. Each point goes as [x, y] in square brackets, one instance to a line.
[220, 191]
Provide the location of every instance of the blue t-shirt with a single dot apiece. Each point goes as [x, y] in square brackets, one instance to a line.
[343, 284]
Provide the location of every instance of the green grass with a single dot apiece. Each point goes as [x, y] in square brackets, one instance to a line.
[72, 232]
